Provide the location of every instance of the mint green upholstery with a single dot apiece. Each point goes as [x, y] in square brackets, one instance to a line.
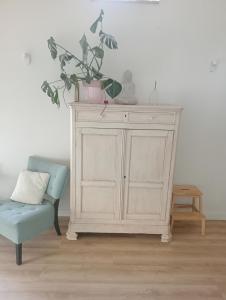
[20, 222]
[58, 173]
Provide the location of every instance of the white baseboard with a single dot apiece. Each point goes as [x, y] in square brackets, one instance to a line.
[219, 216]
[64, 213]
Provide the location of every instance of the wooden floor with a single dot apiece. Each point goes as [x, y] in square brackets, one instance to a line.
[122, 267]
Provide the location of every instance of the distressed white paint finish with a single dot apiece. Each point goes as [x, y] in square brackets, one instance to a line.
[122, 162]
[99, 153]
[148, 160]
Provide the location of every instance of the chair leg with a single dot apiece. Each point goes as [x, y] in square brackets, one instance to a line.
[56, 221]
[19, 254]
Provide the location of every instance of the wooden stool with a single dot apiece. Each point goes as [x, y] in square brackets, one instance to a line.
[180, 191]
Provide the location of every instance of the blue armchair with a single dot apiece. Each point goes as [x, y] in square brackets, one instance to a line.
[20, 222]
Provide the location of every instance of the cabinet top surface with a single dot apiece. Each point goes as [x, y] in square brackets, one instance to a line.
[117, 107]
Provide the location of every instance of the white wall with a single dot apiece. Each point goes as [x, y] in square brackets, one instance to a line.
[173, 42]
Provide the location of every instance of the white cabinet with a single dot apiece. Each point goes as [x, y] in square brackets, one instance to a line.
[122, 162]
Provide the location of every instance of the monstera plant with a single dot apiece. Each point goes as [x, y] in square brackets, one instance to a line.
[85, 69]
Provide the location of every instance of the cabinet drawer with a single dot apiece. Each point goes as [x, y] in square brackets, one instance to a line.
[97, 116]
[157, 118]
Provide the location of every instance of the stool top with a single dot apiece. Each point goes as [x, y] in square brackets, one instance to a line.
[186, 191]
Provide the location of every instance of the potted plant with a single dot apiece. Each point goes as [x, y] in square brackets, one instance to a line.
[86, 70]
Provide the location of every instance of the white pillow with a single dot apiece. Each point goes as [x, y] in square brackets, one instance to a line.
[30, 187]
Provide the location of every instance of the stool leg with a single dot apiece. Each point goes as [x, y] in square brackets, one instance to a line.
[172, 204]
[200, 204]
[203, 226]
[193, 204]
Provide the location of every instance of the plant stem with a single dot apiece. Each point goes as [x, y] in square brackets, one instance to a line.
[70, 53]
[75, 57]
[78, 91]
[52, 82]
[64, 96]
[94, 57]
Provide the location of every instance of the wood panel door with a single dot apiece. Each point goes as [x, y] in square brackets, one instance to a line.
[147, 171]
[99, 154]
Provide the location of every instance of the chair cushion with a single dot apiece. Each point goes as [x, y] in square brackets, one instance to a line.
[20, 222]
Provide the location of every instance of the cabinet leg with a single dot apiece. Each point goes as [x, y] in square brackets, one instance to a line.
[171, 225]
[72, 236]
[166, 237]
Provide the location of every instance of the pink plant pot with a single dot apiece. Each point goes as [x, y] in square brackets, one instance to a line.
[92, 92]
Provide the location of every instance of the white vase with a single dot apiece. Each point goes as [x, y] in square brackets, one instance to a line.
[154, 96]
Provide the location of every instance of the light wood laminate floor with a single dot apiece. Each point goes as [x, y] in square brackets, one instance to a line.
[122, 267]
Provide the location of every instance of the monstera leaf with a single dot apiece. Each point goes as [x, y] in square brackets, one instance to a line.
[112, 87]
[47, 89]
[93, 27]
[55, 98]
[105, 83]
[66, 80]
[99, 53]
[52, 47]
[63, 58]
[84, 45]
[52, 94]
[108, 40]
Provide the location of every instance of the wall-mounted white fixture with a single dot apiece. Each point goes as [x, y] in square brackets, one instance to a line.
[214, 65]
[26, 58]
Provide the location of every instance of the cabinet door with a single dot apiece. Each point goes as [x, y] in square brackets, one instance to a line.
[147, 171]
[98, 173]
